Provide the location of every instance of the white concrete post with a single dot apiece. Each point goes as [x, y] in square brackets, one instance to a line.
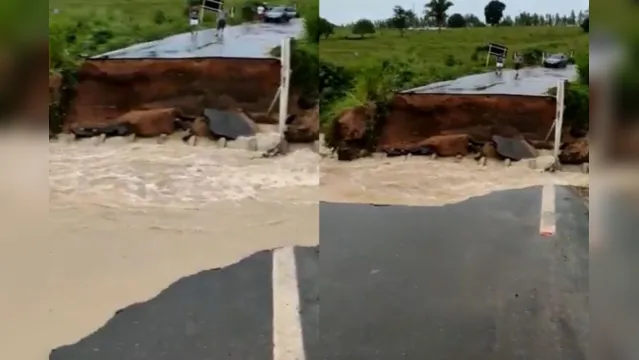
[285, 60]
[559, 120]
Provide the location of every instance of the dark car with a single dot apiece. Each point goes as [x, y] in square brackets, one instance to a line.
[278, 14]
[556, 61]
[291, 11]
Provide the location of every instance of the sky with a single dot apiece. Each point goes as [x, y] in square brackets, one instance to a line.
[347, 11]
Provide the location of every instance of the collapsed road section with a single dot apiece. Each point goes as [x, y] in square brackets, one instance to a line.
[485, 114]
[178, 83]
[235, 312]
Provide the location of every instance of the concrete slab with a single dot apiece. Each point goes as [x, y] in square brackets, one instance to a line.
[473, 280]
[251, 40]
[222, 313]
[533, 81]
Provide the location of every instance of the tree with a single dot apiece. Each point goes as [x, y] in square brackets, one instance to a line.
[472, 20]
[572, 19]
[436, 10]
[411, 18]
[507, 21]
[363, 27]
[399, 20]
[537, 19]
[585, 25]
[456, 21]
[580, 17]
[494, 12]
[326, 29]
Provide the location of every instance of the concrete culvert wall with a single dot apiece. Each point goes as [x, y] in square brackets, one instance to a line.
[415, 117]
[109, 88]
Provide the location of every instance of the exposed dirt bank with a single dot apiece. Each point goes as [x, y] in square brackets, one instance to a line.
[107, 89]
[151, 97]
[450, 125]
[415, 117]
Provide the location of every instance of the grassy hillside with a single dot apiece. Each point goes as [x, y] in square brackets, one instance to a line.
[444, 55]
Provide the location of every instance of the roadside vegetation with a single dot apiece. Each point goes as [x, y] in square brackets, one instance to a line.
[367, 62]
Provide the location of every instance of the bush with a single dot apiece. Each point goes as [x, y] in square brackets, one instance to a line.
[451, 61]
[312, 24]
[577, 102]
[583, 63]
[247, 11]
[160, 17]
[456, 21]
[532, 56]
[334, 82]
[363, 27]
[326, 28]
[585, 25]
[304, 67]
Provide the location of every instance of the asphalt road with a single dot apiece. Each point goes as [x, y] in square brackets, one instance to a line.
[250, 40]
[533, 81]
[473, 280]
[225, 313]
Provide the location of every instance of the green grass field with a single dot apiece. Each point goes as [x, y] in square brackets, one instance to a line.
[444, 55]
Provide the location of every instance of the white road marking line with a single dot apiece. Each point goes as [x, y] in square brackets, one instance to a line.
[547, 225]
[288, 341]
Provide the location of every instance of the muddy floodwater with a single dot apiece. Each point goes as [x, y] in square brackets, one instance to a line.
[127, 220]
[431, 182]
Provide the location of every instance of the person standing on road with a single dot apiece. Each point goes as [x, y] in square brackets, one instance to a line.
[500, 64]
[194, 20]
[260, 12]
[221, 23]
[518, 59]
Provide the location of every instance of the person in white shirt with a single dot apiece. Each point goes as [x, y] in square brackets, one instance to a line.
[500, 64]
[194, 19]
[221, 23]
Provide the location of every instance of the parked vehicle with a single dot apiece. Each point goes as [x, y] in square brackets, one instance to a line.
[291, 11]
[277, 15]
[556, 61]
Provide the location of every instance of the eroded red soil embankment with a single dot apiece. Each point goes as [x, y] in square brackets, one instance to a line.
[109, 88]
[415, 117]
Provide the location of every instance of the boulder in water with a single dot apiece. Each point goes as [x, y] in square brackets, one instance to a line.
[151, 123]
[448, 145]
[513, 148]
[229, 124]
